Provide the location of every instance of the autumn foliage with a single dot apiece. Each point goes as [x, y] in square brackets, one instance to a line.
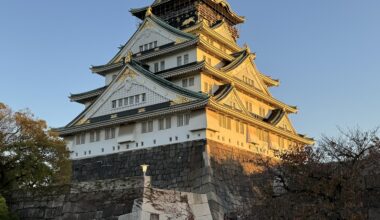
[31, 155]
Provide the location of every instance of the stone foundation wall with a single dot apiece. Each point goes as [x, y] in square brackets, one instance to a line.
[229, 176]
[106, 200]
[226, 174]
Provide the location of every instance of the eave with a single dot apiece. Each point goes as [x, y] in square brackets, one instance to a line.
[242, 86]
[169, 48]
[87, 96]
[252, 120]
[146, 55]
[237, 61]
[269, 81]
[137, 67]
[202, 26]
[139, 114]
[182, 70]
[216, 51]
[104, 69]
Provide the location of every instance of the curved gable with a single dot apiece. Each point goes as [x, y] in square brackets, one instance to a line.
[153, 32]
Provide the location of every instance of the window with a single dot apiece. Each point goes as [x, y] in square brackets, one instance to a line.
[150, 126]
[125, 101]
[186, 59]
[162, 65]
[225, 122]
[146, 47]
[179, 120]
[141, 48]
[168, 122]
[191, 81]
[241, 128]
[262, 112]
[206, 87]
[187, 119]
[114, 104]
[137, 99]
[92, 136]
[150, 45]
[131, 100]
[143, 97]
[183, 119]
[228, 123]
[110, 133]
[179, 61]
[156, 67]
[83, 138]
[155, 44]
[80, 139]
[120, 102]
[161, 124]
[249, 106]
[184, 83]
[97, 135]
[102, 150]
[146, 127]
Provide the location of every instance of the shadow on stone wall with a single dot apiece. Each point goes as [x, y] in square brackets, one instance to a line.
[232, 178]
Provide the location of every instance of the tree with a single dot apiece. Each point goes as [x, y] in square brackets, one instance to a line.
[31, 155]
[4, 212]
[325, 181]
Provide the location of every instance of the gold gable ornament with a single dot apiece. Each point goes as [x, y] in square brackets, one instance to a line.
[128, 58]
[179, 100]
[148, 12]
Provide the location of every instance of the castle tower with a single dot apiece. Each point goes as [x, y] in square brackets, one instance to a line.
[181, 78]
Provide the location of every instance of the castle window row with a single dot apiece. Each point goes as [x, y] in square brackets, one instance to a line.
[165, 123]
[248, 81]
[185, 60]
[207, 88]
[129, 101]
[148, 46]
[95, 136]
[159, 66]
[249, 106]
[188, 82]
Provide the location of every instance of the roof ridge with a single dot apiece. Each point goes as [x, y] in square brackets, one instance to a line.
[242, 57]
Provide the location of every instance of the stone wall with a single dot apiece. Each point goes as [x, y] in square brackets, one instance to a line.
[229, 176]
[226, 174]
[106, 200]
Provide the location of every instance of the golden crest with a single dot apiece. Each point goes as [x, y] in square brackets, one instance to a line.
[180, 100]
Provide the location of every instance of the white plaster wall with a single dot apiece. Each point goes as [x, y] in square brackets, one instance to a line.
[197, 82]
[194, 131]
[171, 59]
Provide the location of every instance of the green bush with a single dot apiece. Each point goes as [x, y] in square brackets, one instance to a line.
[4, 212]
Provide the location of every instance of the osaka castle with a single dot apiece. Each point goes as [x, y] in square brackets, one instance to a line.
[182, 77]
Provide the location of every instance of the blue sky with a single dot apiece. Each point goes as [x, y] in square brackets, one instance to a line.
[326, 53]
